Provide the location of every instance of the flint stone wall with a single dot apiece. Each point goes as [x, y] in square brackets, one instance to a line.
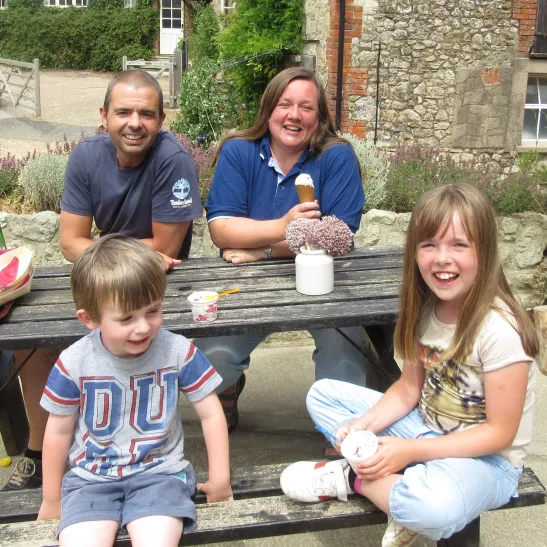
[522, 237]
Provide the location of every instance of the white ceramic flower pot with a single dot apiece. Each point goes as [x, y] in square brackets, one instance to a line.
[314, 272]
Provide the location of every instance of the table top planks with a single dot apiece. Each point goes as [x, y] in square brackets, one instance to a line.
[366, 293]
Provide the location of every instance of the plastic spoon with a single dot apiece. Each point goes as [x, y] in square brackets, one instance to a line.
[224, 293]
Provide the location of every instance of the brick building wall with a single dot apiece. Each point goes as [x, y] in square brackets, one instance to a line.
[525, 11]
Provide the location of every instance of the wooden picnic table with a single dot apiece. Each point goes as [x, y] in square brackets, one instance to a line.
[366, 288]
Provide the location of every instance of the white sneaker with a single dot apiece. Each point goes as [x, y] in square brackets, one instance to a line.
[396, 535]
[310, 482]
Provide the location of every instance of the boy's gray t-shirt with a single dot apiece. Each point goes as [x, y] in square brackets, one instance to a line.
[163, 188]
[129, 418]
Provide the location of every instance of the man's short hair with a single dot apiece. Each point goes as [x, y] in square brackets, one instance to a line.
[137, 78]
[120, 271]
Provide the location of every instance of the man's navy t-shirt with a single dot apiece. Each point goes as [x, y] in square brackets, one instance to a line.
[164, 188]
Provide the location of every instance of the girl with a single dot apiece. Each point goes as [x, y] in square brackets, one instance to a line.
[462, 407]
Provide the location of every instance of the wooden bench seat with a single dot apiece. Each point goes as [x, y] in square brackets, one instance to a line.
[260, 510]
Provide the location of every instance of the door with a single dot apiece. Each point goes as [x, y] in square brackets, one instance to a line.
[171, 23]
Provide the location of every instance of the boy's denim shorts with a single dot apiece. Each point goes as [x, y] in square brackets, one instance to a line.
[128, 499]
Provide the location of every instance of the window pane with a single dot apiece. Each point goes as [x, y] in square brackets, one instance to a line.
[165, 3]
[543, 125]
[166, 13]
[176, 3]
[177, 23]
[529, 130]
[166, 23]
[177, 15]
[542, 90]
[532, 91]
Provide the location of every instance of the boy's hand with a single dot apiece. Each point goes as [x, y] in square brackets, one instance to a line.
[216, 492]
[50, 510]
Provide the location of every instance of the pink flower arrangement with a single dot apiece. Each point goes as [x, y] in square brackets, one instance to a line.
[329, 234]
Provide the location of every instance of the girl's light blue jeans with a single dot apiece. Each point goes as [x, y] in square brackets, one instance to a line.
[435, 498]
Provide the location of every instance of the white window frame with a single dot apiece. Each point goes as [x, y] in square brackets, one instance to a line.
[541, 106]
[227, 6]
[3, 4]
[65, 3]
[129, 3]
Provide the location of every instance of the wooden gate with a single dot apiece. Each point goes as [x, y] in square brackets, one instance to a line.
[20, 83]
[163, 71]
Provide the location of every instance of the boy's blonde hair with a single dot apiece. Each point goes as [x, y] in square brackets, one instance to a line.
[434, 211]
[119, 270]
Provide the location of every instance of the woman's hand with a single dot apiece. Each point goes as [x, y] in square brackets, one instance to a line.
[309, 209]
[393, 455]
[241, 256]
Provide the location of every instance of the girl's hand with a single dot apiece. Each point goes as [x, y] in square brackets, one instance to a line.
[359, 424]
[216, 492]
[49, 511]
[393, 455]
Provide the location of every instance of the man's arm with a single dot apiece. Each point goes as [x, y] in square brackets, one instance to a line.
[215, 432]
[167, 237]
[57, 442]
[75, 234]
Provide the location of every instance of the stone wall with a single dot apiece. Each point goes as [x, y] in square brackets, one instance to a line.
[522, 237]
[439, 73]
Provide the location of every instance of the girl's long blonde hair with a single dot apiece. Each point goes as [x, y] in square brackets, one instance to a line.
[434, 211]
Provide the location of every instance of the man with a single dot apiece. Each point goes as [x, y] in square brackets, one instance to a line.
[138, 181]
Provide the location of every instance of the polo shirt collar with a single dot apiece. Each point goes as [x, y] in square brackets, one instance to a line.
[265, 152]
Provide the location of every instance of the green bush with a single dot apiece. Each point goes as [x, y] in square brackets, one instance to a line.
[374, 170]
[42, 181]
[256, 38]
[201, 104]
[78, 38]
[25, 4]
[203, 41]
[415, 169]
[8, 181]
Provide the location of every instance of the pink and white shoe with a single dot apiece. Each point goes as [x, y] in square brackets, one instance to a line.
[311, 482]
[396, 535]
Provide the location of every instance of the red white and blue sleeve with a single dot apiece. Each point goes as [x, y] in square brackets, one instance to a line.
[197, 377]
[61, 394]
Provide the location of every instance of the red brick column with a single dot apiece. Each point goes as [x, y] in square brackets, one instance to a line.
[354, 82]
[524, 11]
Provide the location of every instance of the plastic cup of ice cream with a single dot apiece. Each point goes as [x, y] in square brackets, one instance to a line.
[204, 306]
[358, 447]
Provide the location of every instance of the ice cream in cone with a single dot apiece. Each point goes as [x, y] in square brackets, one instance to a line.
[304, 187]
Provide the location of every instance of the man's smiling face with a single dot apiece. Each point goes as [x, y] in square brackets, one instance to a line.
[133, 122]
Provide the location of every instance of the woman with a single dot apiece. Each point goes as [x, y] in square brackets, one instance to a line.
[253, 199]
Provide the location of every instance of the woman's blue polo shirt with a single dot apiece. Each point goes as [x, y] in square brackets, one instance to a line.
[247, 183]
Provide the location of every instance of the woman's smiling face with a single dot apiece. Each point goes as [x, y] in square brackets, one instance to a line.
[295, 118]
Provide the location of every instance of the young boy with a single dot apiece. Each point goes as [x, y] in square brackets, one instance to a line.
[112, 398]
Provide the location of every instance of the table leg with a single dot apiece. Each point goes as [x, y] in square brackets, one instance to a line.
[14, 428]
[379, 347]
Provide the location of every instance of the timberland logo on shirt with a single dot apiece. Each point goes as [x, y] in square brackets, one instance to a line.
[181, 203]
[181, 189]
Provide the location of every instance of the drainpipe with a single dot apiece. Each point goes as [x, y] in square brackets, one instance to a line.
[340, 67]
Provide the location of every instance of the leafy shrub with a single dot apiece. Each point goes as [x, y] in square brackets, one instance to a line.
[254, 42]
[203, 159]
[42, 181]
[78, 38]
[201, 104]
[374, 170]
[203, 41]
[8, 179]
[415, 169]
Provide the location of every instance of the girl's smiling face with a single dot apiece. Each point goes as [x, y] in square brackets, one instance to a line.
[448, 264]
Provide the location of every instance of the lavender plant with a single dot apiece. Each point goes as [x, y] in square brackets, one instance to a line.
[329, 234]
